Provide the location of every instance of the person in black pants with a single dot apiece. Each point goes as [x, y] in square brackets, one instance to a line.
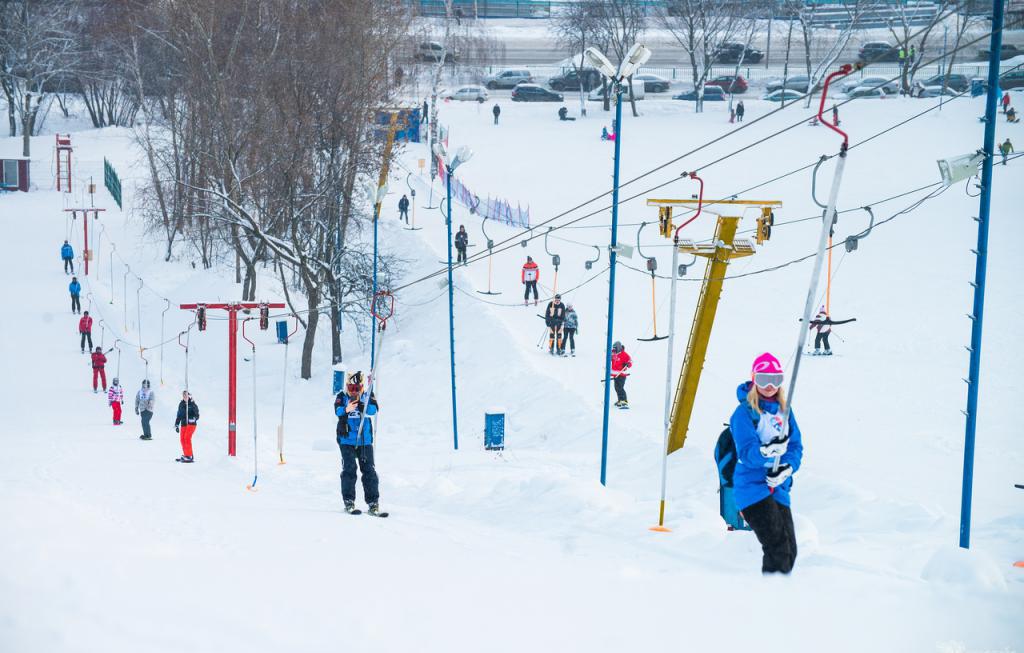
[75, 289]
[354, 408]
[554, 317]
[497, 112]
[530, 276]
[461, 243]
[740, 110]
[403, 209]
[572, 323]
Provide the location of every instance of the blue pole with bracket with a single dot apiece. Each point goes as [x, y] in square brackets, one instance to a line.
[451, 310]
[981, 253]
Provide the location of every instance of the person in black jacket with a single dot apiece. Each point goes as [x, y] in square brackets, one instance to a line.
[185, 424]
[403, 209]
[461, 243]
[497, 112]
[554, 318]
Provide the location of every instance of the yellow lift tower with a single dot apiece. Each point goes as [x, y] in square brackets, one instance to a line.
[719, 253]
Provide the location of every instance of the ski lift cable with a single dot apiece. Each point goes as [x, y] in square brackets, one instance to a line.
[546, 298]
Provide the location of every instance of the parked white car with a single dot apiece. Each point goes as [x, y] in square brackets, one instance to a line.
[468, 94]
[638, 91]
[862, 92]
[890, 87]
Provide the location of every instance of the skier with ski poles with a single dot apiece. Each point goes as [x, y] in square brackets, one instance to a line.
[355, 439]
[75, 289]
[115, 397]
[530, 276]
[85, 330]
[461, 243]
[145, 400]
[99, 361]
[823, 323]
[554, 318]
[67, 254]
[760, 435]
[621, 363]
[572, 324]
[185, 423]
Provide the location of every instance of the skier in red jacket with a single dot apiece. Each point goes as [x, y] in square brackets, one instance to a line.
[530, 276]
[98, 371]
[85, 329]
[621, 362]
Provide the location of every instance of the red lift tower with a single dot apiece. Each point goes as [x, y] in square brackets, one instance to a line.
[232, 308]
[86, 252]
[64, 163]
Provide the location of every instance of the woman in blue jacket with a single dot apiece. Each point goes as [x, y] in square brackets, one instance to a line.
[75, 289]
[355, 438]
[762, 439]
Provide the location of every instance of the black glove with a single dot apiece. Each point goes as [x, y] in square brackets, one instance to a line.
[176, 428]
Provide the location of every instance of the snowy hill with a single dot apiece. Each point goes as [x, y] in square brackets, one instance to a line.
[111, 546]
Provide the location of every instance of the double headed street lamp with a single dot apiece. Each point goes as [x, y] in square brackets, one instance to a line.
[450, 164]
[636, 57]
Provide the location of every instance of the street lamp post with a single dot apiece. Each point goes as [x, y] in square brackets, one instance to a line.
[636, 57]
[450, 164]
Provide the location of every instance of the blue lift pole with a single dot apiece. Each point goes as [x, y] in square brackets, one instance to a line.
[611, 284]
[451, 309]
[991, 100]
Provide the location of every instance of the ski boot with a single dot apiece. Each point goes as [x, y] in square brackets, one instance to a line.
[374, 510]
[350, 508]
[184, 459]
[828, 352]
[145, 437]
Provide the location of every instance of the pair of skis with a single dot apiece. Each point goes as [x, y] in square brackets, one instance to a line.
[357, 511]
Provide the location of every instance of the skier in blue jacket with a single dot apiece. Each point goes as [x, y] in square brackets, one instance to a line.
[75, 289]
[67, 254]
[762, 437]
[355, 439]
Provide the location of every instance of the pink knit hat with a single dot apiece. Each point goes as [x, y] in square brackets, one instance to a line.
[766, 363]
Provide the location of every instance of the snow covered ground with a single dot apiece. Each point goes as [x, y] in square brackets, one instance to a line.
[111, 546]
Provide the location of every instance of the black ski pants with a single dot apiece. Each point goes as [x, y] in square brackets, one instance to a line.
[570, 339]
[620, 388]
[773, 524]
[146, 415]
[529, 285]
[69, 263]
[821, 338]
[87, 336]
[363, 456]
[403, 214]
[461, 254]
[76, 304]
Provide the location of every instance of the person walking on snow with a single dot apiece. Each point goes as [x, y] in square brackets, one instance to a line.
[85, 330]
[530, 276]
[762, 438]
[1005, 101]
[835, 115]
[621, 362]
[1006, 149]
[67, 254]
[115, 397]
[740, 110]
[497, 112]
[145, 399]
[355, 439]
[99, 371]
[572, 323]
[554, 318]
[185, 423]
[403, 209]
[75, 289]
[461, 243]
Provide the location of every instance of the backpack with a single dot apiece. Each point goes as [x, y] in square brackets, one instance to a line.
[725, 458]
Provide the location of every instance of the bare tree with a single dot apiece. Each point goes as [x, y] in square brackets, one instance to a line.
[576, 27]
[621, 23]
[835, 41]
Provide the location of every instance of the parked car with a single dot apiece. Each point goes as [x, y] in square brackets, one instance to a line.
[936, 91]
[1006, 52]
[867, 92]
[468, 93]
[957, 82]
[571, 81]
[434, 51]
[508, 78]
[729, 83]
[793, 83]
[653, 83]
[874, 51]
[890, 87]
[732, 52]
[783, 93]
[638, 91]
[1010, 80]
[711, 94]
[534, 93]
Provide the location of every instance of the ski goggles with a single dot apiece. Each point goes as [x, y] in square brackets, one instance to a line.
[768, 379]
[354, 388]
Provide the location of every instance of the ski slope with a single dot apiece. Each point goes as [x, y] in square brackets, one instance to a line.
[111, 546]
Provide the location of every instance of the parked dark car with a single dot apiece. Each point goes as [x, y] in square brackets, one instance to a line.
[1006, 52]
[711, 94]
[1013, 79]
[433, 51]
[652, 83]
[875, 51]
[729, 83]
[732, 52]
[570, 80]
[534, 93]
[957, 82]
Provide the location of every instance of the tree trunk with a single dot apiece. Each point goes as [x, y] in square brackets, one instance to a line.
[632, 100]
[335, 332]
[312, 301]
[26, 127]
